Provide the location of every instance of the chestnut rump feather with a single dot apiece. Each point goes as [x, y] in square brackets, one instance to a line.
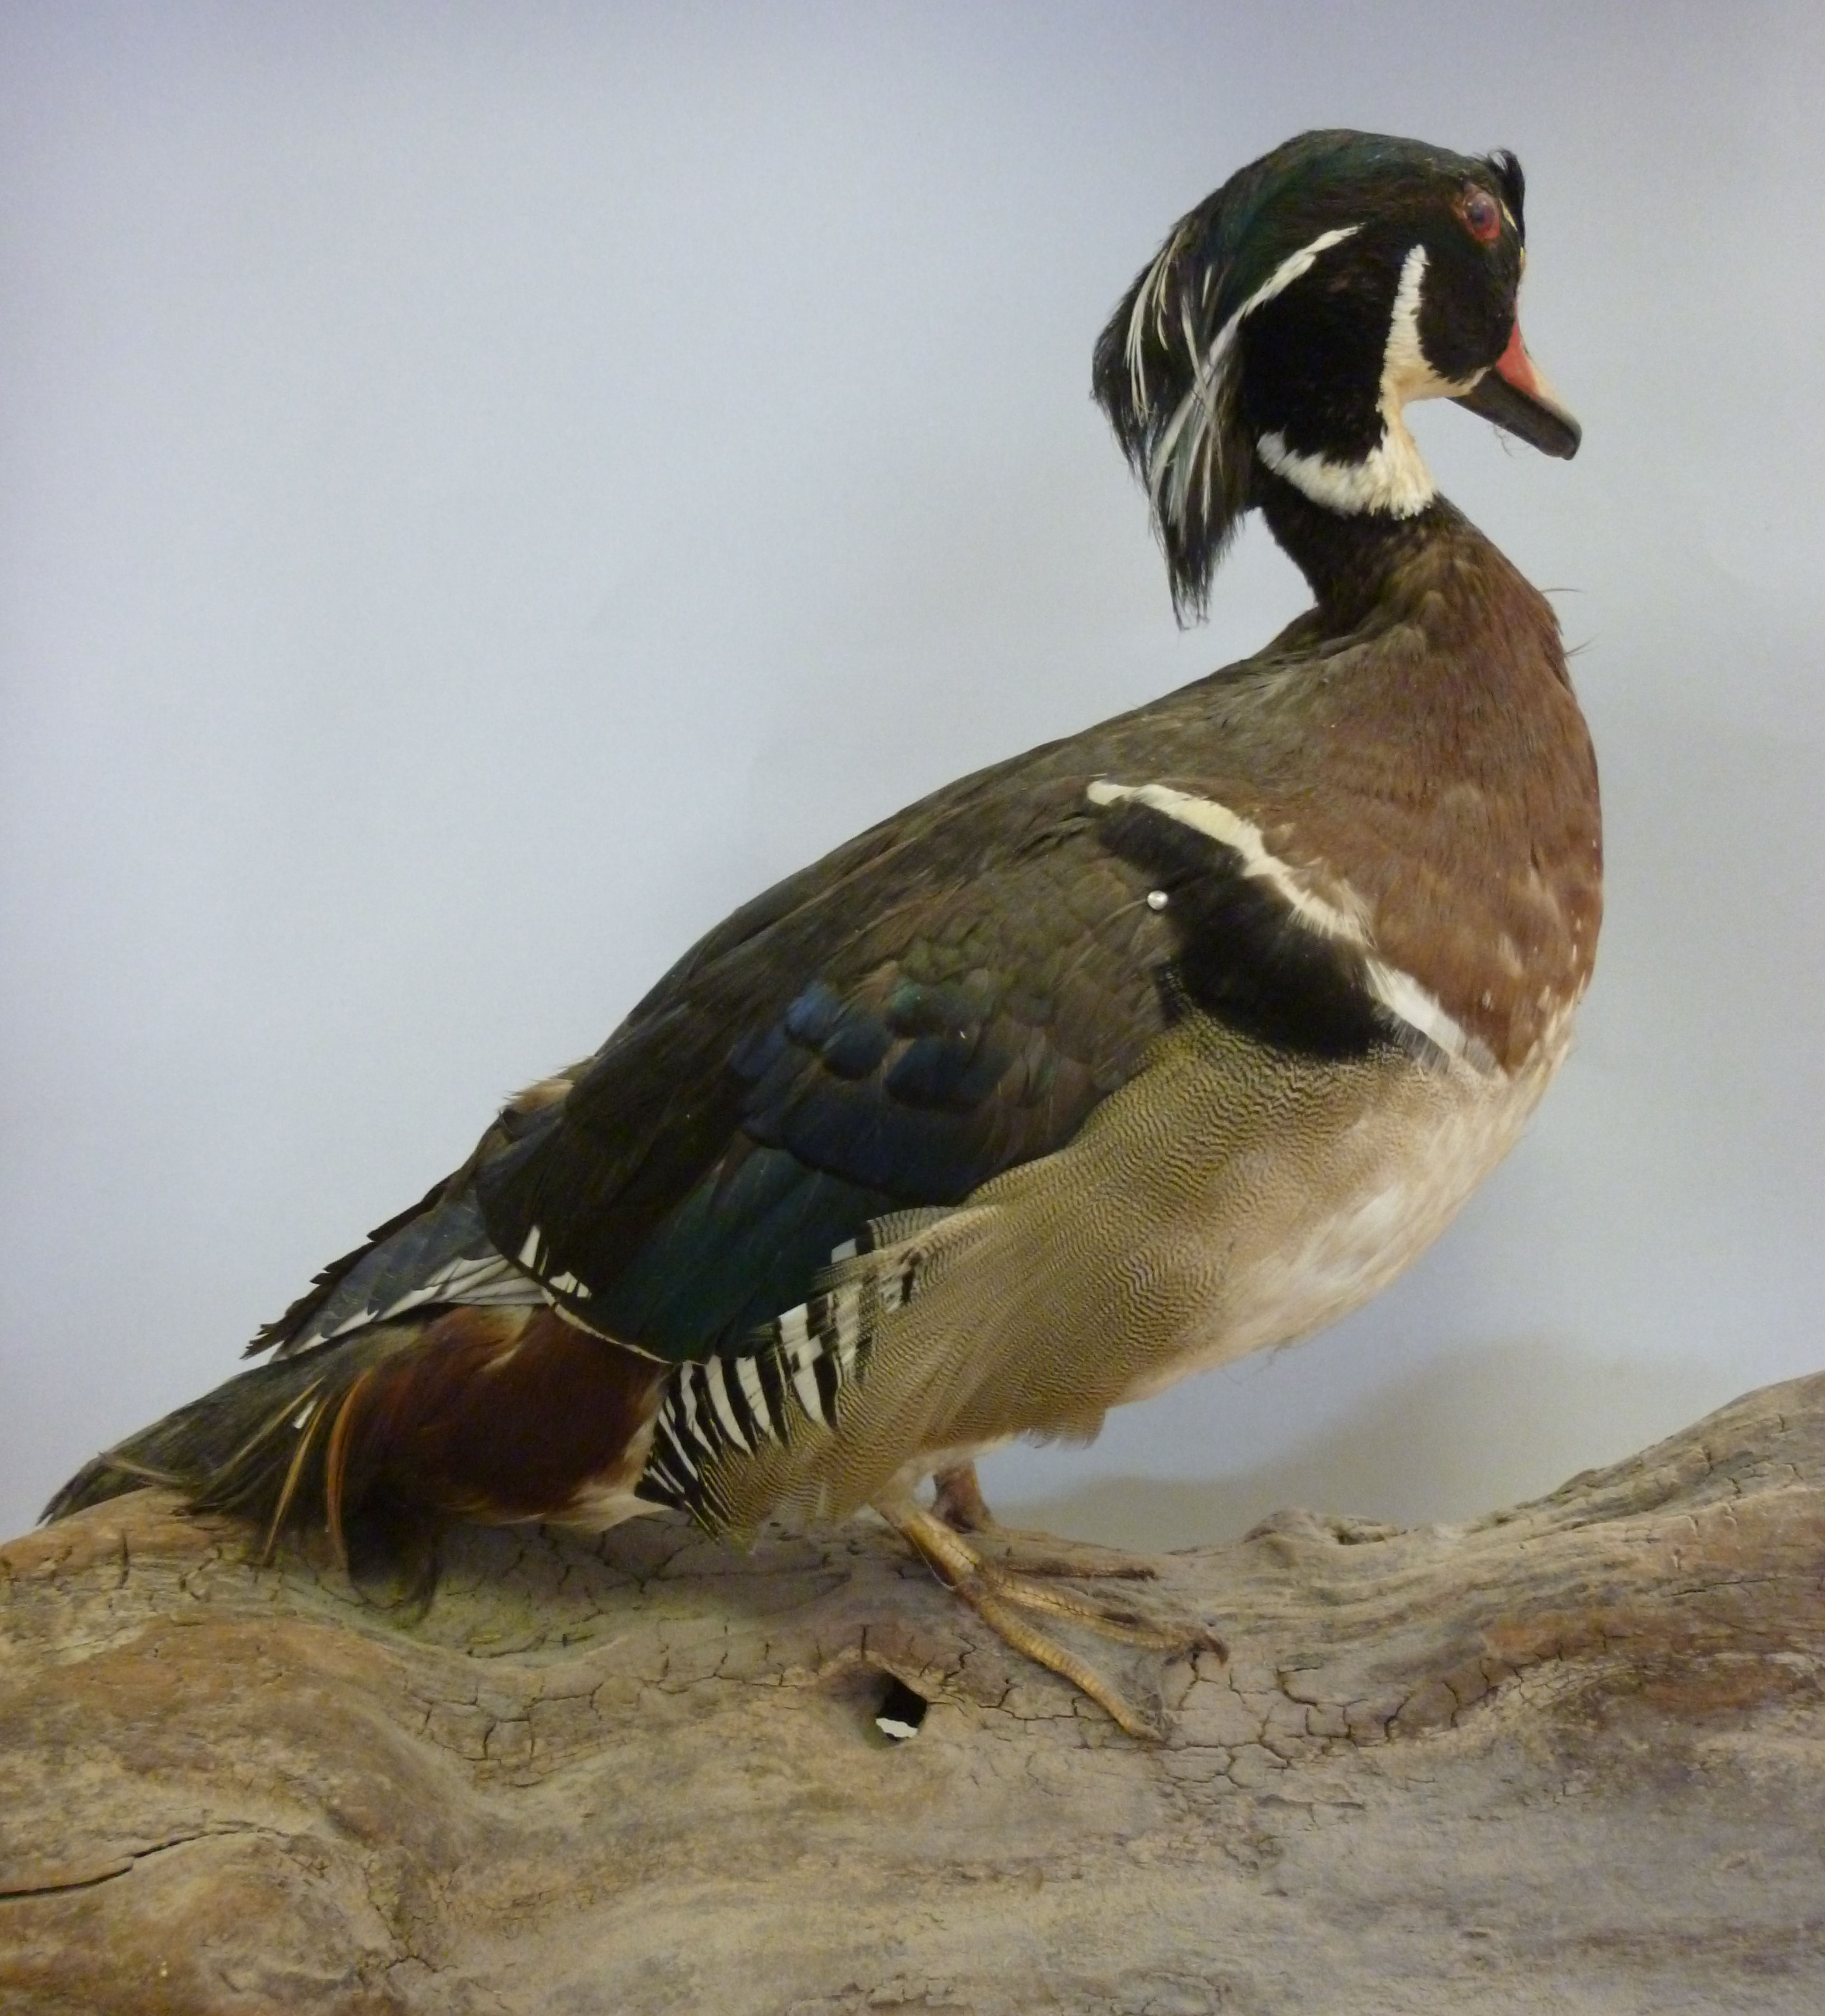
[490, 1413]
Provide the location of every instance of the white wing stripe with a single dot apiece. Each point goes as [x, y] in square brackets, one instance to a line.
[1399, 992]
[1216, 821]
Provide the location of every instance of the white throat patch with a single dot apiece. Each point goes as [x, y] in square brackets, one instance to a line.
[1391, 477]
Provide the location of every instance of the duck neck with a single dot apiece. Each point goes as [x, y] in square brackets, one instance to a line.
[1351, 560]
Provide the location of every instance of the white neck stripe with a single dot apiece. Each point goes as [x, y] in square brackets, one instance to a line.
[1391, 477]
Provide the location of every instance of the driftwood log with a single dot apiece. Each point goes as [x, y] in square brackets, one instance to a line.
[1567, 1758]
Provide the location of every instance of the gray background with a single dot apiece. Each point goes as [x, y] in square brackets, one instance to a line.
[486, 489]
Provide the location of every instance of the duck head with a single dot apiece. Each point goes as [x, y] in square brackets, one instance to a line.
[1288, 319]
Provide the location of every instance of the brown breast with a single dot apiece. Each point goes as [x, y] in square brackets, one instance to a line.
[1443, 774]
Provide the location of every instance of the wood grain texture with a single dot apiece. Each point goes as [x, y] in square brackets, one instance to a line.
[1567, 1758]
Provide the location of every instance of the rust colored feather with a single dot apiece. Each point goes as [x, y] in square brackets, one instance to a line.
[493, 1414]
[336, 1463]
[294, 1471]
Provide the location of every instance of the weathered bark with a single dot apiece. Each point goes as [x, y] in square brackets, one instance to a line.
[1570, 1757]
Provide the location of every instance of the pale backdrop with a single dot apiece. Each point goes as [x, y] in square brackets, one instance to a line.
[487, 489]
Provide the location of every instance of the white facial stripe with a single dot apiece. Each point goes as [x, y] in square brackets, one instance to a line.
[1405, 372]
[1295, 266]
[1192, 442]
[1149, 301]
[1399, 993]
[1391, 477]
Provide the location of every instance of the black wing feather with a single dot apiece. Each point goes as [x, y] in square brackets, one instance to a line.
[994, 990]
[949, 995]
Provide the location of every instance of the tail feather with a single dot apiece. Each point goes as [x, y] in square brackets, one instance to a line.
[249, 1447]
[495, 1414]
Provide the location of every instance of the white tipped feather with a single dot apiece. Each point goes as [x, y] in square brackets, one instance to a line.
[1189, 454]
[715, 1375]
[478, 1280]
[746, 1372]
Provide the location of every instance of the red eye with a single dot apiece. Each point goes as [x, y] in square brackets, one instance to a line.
[1482, 216]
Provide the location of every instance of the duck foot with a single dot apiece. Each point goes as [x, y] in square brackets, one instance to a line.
[999, 1596]
[957, 1500]
[1043, 1554]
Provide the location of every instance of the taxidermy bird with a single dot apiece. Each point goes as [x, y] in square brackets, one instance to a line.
[1173, 1040]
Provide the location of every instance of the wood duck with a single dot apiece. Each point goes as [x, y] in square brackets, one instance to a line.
[1173, 1040]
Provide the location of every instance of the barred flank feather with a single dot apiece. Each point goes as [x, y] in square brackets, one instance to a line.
[793, 1376]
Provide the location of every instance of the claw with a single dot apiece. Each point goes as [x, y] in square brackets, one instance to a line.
[1126, 1627]
[997, 1597]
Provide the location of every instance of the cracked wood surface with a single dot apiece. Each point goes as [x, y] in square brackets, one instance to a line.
[1569, 1757]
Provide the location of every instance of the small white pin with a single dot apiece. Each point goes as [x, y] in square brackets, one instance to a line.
[1341, 915]
[1157, 899]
